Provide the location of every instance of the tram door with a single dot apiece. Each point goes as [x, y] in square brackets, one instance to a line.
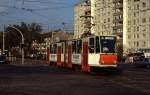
[69, 54]
[85, 66]
[48, 57]
[59, 54]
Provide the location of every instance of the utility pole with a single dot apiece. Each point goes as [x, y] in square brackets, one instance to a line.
[4, 39]
[64, 26]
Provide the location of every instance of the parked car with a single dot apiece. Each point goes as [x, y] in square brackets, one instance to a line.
[134, 57]
[3, 59]
[145, 62]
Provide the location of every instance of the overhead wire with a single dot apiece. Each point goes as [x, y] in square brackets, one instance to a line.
[33, 11]
[30, 10]
[52, 2]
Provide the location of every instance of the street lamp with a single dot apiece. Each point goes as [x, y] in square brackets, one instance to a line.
[22, 42]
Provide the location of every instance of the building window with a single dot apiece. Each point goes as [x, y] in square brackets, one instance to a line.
[129, 43]
[104, 20]
[137, 21]
[134, 21]
[137, 44]
[137, 28]
[129, 37]
[134, 14]
[129, 29]
[134, 36]
[129, 22]
[134, 0]
[137, 35]
[144, 43]
[143, 4]
[137, 6]
[134, 43]
[144, 35]
[108, 19]
[134, 28]
[144, 20]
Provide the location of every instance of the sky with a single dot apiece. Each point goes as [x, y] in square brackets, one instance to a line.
[48, 13]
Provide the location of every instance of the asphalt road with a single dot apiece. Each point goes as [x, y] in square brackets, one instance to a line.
[42, 79]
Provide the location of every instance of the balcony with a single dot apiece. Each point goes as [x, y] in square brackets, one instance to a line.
[87, 22]
[116, 1]
[119, 26]
[120, 20]
[87, 25]
[86, 3]
[118, 6]
[118, 13]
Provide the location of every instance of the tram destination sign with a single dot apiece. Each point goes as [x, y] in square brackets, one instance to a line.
[108, 38]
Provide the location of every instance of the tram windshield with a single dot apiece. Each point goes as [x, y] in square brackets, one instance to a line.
[108, 44]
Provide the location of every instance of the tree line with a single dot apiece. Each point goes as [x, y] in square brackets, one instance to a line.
[13, 38]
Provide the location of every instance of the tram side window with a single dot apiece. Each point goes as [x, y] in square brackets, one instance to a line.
[55, 49]
[74, 47]
[66, 47]
[91, 45]
[62, 48]
[79, 46]
[97, 45]
[51, 50]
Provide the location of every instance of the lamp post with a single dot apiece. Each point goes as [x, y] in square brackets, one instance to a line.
[22, 42]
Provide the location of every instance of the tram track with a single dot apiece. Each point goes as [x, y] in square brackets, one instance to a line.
[130, 78]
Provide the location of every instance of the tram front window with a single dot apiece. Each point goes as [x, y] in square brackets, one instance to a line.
[108, 45]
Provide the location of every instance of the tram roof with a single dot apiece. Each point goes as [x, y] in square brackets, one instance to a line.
[83, 38]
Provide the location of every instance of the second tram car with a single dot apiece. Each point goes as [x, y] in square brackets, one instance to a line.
[86, 53]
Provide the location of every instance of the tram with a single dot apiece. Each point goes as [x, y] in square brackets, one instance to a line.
[86, 53]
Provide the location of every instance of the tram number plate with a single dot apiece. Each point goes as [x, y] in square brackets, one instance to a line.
[76, 58]
[53, 57]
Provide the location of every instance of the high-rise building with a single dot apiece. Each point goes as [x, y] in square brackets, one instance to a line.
[82, 18]
[136, 25]
[102, 12]
[128, 19]
[118, 16]
[99, 17]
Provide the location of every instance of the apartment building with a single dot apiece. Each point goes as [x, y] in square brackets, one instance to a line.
[99, 17]
[129, 19]
[118, 17]
[82, 18]
[136, 25]
[102, 12]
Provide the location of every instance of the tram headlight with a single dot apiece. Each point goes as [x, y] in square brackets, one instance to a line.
[102, 62]
[115, 62]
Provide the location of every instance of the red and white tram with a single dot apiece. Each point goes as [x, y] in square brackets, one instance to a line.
[86, 53]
